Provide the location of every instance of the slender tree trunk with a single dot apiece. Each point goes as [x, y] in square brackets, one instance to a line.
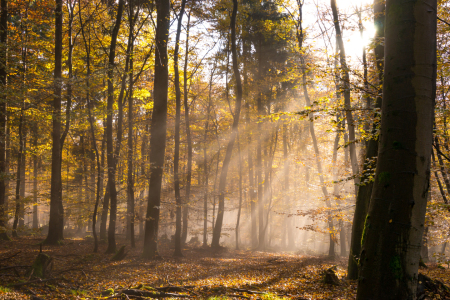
[56, 222]
[436, 175]
[19, 178]
[240, 193]
[365, 190]
[22, 182]
[87, 45]
[259, 162]
[35, 181]
[105, 204]
[3, 113]
[237, 111]
[346, 92]
[109, 133]
[300, 37]
[392, 235]
[205, 162]
[176, 157]
[130, 181]
[158, 130]
[188, 140]
[252, 191]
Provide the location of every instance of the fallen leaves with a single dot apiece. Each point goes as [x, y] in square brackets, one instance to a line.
[200, 274]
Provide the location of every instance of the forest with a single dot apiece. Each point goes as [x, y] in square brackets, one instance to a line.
[214, 149]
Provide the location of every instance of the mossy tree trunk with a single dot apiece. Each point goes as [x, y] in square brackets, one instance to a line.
[392, 235]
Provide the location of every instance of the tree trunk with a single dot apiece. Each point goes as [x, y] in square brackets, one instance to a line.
[109, 133]
[188, 140]
[19, 178]
[35, 181]
[205, 161]
[300, 37]
[393, 228]
[240, 193]
[176, 157]
[158, 129]
[56, 222]
[130, 181]
[105, 204]
[22, 182]
[365, 190]
[346, 92]
[3, 113]
[237, 111]
[252, 191]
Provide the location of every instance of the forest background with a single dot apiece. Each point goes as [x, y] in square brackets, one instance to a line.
[300, 136]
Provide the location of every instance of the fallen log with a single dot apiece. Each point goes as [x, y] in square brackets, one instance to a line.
[141, 293]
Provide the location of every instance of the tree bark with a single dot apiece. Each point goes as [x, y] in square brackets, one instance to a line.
[56, 222]
[237, 111]
[130, 181]
[300, 37]
[176, 157]
[111, 159]
[188, 139]
[158, 130]
[365, 190]
[392, 235]
[346, 92]
[35, 181]
[3, 117]
[19, 175]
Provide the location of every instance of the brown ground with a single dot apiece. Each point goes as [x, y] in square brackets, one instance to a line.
[80, 274]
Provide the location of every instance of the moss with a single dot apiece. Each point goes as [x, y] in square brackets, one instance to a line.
[40, 265]
[365, 229]
[119, 254]
[396, 267]
[108, 292]
[397, 145]
[384, 178]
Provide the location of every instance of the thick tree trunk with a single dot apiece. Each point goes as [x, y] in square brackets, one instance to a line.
[176, 157]
[392, 235]
[3, 112]
[365, 190]
[109, 133]
[158, 129]
[237, 111]
[56, 222]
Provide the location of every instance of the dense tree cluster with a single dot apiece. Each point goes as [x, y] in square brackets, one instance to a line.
[242, 122]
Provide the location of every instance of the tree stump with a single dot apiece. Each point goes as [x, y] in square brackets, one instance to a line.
[42, 266]
[329, 277]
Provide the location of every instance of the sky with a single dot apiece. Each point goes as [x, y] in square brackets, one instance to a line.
[352, 37]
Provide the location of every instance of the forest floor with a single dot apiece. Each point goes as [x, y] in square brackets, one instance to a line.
[77, 273]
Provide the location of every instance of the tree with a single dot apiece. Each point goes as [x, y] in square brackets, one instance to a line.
[176, 157]
[56, 223]
[158, 129]
[234, 133]
[3, 112]
[392, 235]
[111, 157]
[365, 190]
